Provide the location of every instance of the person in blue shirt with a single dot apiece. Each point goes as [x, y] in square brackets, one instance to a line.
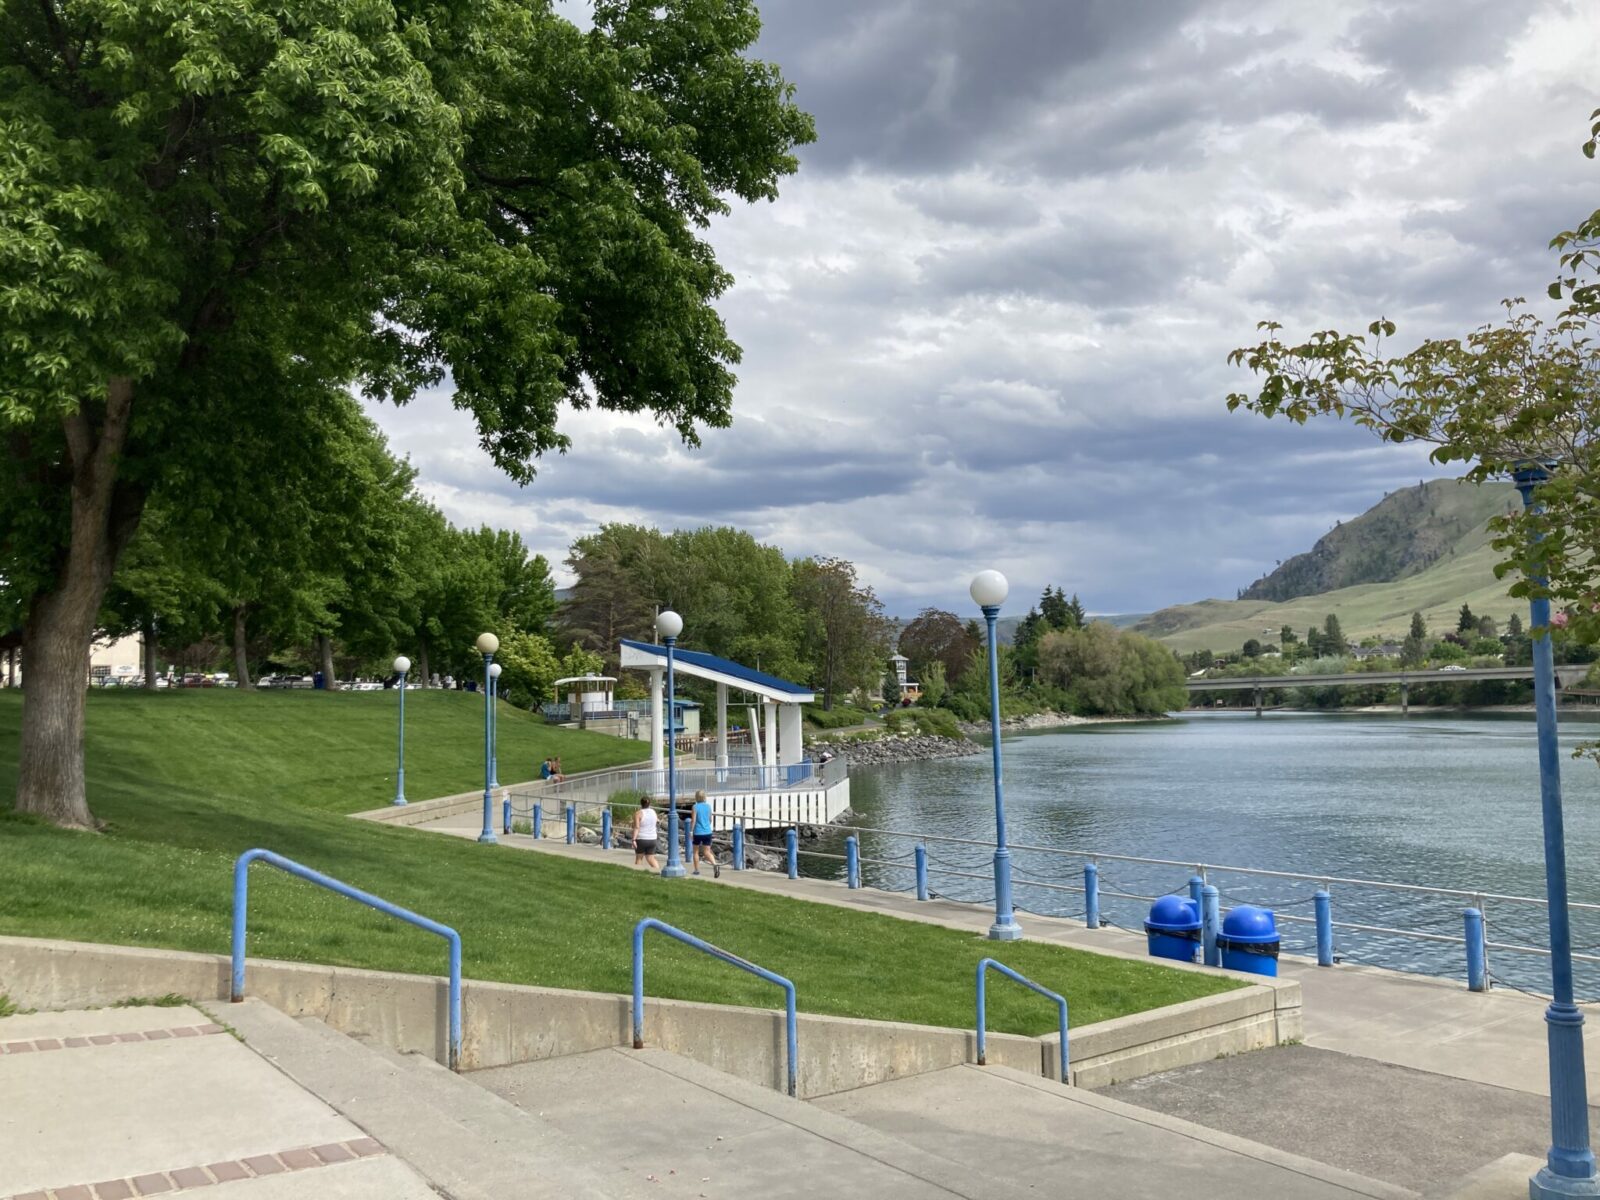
[702, 836]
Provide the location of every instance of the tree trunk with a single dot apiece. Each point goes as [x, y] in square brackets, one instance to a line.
[241, 661]
[422, 660]
[61, 616]
[325, 656]
[147, 639]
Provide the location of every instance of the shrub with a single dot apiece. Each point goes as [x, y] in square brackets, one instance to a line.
[841, 716]
[929, 722]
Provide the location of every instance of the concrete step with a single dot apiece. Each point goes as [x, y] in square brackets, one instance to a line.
[1040, 1136]
[136, 1101]
[690, 1130]
[465, 1141]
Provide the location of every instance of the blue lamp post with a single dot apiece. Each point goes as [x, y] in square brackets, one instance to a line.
[1569, 1168]
[989, 589]
[494, 725]
[669, 625]
[401, 665]
[487, 644]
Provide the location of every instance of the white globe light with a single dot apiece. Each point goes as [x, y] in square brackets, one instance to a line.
[494, 670]
[989, 589]
[402, 664]
[669, 624]
[487, 643]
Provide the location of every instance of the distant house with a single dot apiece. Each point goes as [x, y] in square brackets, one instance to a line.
[1386, 650]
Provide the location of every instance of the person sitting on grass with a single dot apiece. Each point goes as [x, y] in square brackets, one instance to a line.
[702, 836]
[644, 835]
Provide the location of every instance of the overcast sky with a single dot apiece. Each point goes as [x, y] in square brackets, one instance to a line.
[987, 323]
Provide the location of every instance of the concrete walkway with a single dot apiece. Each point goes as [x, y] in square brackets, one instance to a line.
[1435, 1025]
[106, 1104]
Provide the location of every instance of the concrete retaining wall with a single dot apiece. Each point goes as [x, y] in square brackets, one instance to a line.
[510, 1023]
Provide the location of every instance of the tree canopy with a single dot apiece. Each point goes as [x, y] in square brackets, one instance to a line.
[217, 213]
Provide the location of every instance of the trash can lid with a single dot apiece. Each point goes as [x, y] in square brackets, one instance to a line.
[1173, 913]
[1248, 923]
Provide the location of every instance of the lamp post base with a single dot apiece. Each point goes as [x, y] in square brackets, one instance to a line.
[1005, 933]
[673, 871]
[487, 837]
[1547, 1185]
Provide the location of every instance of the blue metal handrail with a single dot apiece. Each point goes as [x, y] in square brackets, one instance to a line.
[733, 960]
[241, 899]
[988, 964]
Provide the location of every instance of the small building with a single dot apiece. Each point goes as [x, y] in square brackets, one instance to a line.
[587, 694]
[910, 689]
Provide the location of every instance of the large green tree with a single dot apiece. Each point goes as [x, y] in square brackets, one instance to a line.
[212, 211]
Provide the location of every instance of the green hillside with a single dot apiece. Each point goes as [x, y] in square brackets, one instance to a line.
[1459, 568]
[186, 781]
[1402, 535]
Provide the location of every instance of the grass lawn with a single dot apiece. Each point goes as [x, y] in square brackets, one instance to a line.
[189, 779]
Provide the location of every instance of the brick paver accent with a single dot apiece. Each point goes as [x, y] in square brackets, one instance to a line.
[182, 1179]
[108, 1039]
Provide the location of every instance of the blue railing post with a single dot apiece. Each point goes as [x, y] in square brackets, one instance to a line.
[852, 862]
[241, 903]
[791, 1032]
[1091, 896]
[572, 824]
[922, 872]
[988, 964]
[738, 845]
[1196, 882]
[791, 845]
[1477, 971]
[605, 828]
[505, 813]
[538, 820]
[1210, 924]
[1324, 908]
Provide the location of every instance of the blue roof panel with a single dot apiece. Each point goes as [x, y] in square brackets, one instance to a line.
[759, 680]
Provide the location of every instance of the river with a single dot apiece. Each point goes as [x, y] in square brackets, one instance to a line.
[1446, 801]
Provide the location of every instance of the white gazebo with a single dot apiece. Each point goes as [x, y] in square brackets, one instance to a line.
[587, 693]
[775, 733]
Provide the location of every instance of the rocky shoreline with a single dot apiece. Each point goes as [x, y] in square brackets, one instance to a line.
[894, 748]
[1051, 720]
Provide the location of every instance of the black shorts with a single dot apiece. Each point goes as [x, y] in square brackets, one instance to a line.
[702, 839]
[644, 847]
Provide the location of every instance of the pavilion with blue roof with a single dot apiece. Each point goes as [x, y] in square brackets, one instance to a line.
[775, 730]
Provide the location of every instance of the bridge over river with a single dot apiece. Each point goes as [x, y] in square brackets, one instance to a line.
[1259, 684]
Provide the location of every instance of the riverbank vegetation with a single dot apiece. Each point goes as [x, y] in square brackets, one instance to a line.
[187, 782]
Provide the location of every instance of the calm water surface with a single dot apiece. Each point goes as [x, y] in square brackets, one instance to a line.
[1444, 801]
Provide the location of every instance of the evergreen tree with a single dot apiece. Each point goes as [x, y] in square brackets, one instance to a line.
[1467, 622]
[891, 687]
[1054, 609]
[1514, 626]
[1333, 641]
[1075, 612]
[1252, 648]
[1419, 629]
[1288, 636]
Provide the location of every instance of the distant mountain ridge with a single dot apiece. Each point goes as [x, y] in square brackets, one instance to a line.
[1402, 535]
[1423, 549]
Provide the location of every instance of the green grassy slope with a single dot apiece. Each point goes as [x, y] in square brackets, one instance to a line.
[186, 781]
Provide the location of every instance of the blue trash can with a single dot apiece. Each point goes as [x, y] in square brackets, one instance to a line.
[1173, 929]
[1249, 940]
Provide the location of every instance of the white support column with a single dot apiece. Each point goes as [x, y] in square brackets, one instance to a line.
[722, 732]
[770, 715]
[755, 735]
[790, 748]
[657, 750]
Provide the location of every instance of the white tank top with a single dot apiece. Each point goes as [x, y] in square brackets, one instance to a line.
[647, 825]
